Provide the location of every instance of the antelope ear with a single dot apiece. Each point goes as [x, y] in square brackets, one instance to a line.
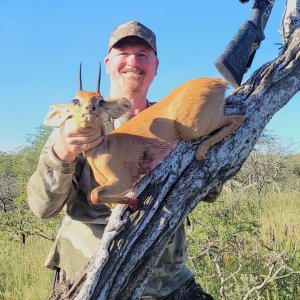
[115, 108]
[57, 115]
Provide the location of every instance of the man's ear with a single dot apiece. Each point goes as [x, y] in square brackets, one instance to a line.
[106, 62]
[156, 65]
[57, 115]
[115, 108]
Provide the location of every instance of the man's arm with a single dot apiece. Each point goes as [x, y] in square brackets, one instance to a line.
[54, 182]
[50, 185]
[213, 195]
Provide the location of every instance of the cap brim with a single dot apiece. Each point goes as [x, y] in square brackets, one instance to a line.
[114, 41]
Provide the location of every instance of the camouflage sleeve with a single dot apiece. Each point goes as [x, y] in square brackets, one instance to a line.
[213, 195]
[52, 184]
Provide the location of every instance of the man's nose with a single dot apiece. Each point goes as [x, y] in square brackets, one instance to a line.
[132, 60]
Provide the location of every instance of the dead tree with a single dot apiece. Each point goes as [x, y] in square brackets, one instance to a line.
[133, 243]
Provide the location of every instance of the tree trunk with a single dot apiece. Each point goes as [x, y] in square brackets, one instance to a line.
[133, 243]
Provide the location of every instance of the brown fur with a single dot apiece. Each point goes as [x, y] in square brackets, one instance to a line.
[190, 111]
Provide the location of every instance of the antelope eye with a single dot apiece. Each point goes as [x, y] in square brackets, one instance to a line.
[101, 102]
[75, 101]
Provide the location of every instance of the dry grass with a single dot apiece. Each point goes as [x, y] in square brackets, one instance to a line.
[238, 237]
[279, 217]
[235, 220]
[21, 270]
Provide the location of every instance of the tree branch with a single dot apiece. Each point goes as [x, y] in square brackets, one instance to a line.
[290, 19]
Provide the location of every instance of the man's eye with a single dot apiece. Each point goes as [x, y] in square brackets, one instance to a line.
[75, 101]
[142, 53]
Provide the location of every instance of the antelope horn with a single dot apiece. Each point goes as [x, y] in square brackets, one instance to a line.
[99, 79]
[80, 81]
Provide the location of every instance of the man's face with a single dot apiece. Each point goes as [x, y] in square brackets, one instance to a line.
[131, 65]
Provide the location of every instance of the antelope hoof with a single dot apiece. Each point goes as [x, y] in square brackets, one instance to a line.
[94, 197]
[134, 204]
[200, 154]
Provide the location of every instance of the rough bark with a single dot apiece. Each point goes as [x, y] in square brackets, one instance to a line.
[290, 19]
[133, 243]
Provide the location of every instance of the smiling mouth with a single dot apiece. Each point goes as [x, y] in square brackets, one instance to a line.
[135, 71]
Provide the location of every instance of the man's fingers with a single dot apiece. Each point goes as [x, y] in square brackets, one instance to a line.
[79, 133]
[80, 140]
[94, 143]
[75, 140]
[85, 132]
[71, 128]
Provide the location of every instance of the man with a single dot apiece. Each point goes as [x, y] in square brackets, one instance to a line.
[63, 178]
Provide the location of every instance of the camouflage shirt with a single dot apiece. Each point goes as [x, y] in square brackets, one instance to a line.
[57, 185]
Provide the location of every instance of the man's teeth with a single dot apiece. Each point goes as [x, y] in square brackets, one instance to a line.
[134, 72]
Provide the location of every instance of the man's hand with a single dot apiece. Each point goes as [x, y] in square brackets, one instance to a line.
[73, 140]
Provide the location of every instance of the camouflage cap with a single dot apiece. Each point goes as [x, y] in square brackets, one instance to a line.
[132, 28]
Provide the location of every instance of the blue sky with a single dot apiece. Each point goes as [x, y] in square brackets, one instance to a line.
[43, 42]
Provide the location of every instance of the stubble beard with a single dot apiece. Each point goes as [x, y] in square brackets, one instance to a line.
[133, 81]
[133, 85]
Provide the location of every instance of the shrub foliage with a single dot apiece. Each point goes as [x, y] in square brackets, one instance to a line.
[244, 246]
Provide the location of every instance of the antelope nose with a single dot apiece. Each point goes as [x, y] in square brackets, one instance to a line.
[90, 107]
